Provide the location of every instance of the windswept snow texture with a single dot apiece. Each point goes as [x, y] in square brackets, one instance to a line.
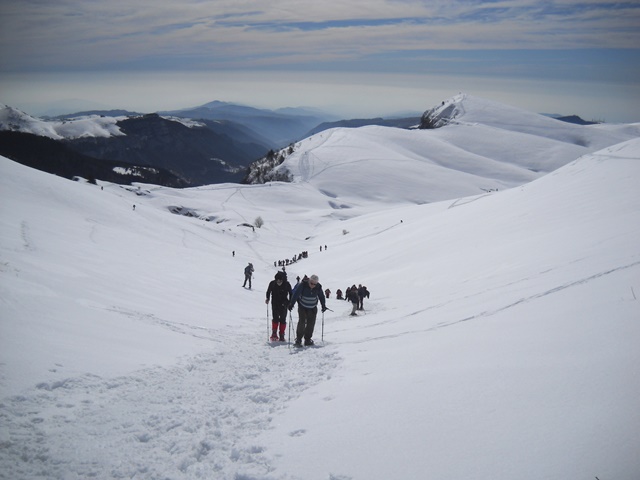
[500, 340]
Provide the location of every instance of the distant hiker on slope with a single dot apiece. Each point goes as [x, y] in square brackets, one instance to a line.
[295, 287]
[248, 272]
[280, 291]
[353, 297]
[362, 292]
[307, 294]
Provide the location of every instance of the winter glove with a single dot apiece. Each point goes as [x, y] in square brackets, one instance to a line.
[324, 309]
[290, 307]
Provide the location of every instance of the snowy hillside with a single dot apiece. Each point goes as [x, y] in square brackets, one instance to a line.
[500, 339]
[488, 147]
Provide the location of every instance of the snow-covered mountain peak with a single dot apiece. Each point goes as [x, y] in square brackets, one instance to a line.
[84, 126]
[465, 109]
[18, 121]
[469, 110]
[445, 113]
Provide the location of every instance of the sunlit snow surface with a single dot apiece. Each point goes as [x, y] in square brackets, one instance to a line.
[500, 340]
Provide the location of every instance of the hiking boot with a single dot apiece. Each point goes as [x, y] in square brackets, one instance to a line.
[298, 344]
[282, 337]
[308, 343]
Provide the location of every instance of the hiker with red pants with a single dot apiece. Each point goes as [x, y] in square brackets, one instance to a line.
[280, 292]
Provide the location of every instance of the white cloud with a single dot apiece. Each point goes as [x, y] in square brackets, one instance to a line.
[110, 34]
[410, 39]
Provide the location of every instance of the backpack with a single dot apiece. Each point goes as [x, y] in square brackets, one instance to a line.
[295, 289]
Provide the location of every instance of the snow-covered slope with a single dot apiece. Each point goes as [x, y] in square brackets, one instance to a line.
[485, 146]
[500, 339]
[499, 342]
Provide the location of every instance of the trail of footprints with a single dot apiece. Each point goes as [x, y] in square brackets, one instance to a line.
[196, 419]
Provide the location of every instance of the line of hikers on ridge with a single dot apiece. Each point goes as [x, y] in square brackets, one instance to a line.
[306, 293]
[289, 261]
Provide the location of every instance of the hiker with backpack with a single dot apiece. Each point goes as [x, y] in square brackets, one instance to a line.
[248, 272]
[306, 294]
[352, 296]
[362, 292]
[279, 290]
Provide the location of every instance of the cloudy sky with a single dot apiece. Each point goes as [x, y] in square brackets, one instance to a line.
[357, 58]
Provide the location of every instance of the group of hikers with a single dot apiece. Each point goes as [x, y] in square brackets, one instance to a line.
[306, 293]
[289, 261]
[355, 295]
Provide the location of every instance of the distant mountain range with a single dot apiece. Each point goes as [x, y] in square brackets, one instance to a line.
[215, 148]
[575, 119]
[408, 122]
[214, 143]
[55, 157]
[280, 127]
[199, 154]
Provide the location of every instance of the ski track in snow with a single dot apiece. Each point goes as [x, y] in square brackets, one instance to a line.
[307, 168]
[198, 416]
[304, 167]
[483, 314]
[26, 237]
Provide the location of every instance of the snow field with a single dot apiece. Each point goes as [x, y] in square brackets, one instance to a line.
[500, 339]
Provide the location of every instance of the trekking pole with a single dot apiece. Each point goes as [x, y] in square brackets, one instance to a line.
[268, 326]
[290, 322]
[322, 337]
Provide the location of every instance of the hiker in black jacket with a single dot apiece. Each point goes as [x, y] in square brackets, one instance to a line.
[279, 290]
[248, 272]
[362, 292]
[352, 296]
